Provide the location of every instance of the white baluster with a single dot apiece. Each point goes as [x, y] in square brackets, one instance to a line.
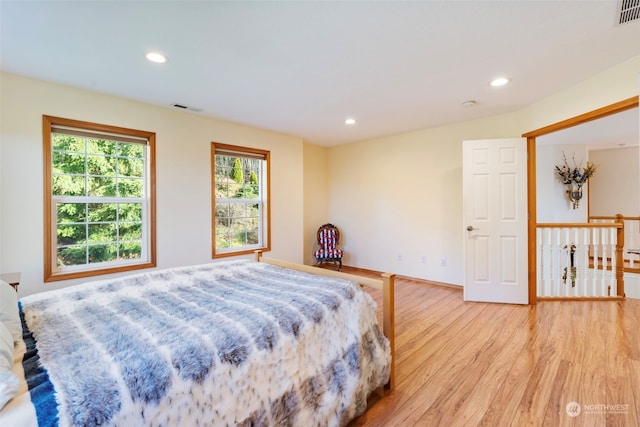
[584, 244]
[595, 241]
[606, 262]
[540, 263]
[559, 253]
[633, 241]
[551, 263]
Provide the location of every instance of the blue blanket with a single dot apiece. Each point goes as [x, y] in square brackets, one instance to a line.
[228, 343]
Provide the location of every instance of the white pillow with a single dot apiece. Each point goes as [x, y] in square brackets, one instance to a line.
[9, 310]
[9, 383]
[6, 349]
[9, 386]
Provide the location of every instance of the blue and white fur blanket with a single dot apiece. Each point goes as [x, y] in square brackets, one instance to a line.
[233, 343]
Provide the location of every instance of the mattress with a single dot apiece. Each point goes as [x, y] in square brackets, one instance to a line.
[222, 344]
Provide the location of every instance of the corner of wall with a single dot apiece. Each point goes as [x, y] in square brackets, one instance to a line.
[316, 194]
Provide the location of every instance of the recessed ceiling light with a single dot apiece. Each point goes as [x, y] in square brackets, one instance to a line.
[350, 121]
[156, 57]
[500, 81]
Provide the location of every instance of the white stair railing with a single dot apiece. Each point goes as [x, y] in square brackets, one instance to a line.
[566, 254]
[631, 238]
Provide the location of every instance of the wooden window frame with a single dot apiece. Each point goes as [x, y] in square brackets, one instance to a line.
[51, 272]
[265, 231]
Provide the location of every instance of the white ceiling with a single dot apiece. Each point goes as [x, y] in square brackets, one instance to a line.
[302, 67]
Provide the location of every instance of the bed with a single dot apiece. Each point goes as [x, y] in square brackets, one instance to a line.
[230, 343]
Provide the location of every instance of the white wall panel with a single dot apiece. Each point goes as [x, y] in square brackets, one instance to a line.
[508, 258]
[481, 191]
[508, 204]
[482, 255]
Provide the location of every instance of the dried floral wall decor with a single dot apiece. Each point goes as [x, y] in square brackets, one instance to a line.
[574, 178]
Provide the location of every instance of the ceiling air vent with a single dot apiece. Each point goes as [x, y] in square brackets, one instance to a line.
[629, 10]
[184, 107]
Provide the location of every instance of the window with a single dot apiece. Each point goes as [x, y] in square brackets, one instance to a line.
[240, 204]
[99, 199]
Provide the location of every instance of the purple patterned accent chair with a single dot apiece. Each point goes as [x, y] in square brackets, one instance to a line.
[328, 239]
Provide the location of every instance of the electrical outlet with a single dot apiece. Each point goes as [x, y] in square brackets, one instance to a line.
[443, 262]
[423, 259]
[399, 257]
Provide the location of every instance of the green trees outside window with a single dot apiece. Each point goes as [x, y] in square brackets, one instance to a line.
[99, 209]
[89, 167]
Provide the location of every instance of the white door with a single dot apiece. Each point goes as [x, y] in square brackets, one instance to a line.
[495, 220]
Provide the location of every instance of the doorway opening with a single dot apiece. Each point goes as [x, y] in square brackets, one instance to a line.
[615, 108]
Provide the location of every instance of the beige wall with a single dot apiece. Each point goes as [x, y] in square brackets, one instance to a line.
[183, 174]
[398, 199]
[316, 198]
[617, 187]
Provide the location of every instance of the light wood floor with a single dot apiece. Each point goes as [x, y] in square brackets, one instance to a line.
[476, 364]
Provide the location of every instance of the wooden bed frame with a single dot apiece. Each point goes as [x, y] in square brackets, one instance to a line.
[385, 284]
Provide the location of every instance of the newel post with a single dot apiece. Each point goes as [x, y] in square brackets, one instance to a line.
[388, 322]
[620, 256]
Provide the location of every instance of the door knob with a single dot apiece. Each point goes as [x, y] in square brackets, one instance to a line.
[470, 228]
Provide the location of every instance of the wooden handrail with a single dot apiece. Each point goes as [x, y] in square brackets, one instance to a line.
[579, 225]
[613, 217]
